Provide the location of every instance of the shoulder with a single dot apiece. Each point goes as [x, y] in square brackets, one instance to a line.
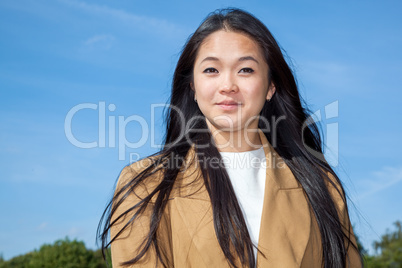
[336, 190]
[145, 175]
[132, 212]
[339, 198]
[150, 167]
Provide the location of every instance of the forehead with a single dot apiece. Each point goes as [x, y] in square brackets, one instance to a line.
[229, 44]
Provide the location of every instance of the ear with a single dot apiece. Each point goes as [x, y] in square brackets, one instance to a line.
[271, 91]
[192, 88]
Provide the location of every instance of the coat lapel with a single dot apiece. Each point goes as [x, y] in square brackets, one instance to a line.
[285, 221]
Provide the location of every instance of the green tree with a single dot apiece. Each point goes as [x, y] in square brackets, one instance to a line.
[360, 246]
[98, 260]
[388, 250]
[21, 261]
[62, 254]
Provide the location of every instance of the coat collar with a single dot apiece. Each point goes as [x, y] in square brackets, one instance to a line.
[285, 223]
[277, 170]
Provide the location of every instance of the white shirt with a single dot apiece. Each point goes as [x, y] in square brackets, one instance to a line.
[247, 172]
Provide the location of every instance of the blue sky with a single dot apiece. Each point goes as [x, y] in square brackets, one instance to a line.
[57, 55]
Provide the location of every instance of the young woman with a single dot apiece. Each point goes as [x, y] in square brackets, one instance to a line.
[238, 182]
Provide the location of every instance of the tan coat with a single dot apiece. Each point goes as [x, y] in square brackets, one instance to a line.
[289, 235]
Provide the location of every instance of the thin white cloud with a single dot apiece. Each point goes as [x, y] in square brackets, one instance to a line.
[74, 232]
[326, 74]
[147, 23]
[102, 42]
[42, 226]
[380, 180]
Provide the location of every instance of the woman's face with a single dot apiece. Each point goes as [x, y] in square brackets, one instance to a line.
[231, 81]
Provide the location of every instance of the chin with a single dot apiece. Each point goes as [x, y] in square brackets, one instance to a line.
[228, 128]
[225, 124]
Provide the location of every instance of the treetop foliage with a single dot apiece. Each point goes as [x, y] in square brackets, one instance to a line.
[63, 253]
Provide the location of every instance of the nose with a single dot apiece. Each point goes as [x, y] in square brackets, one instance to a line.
[228, 84]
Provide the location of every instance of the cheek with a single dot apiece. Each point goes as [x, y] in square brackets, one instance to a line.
[205, 90]
[255, 90]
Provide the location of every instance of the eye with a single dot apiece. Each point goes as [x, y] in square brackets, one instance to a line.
[246, 70]
[210, 70]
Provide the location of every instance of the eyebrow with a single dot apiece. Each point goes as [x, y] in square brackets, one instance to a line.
[246, 58]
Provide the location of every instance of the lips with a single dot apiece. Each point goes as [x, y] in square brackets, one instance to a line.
[228, 102]
[229, 105]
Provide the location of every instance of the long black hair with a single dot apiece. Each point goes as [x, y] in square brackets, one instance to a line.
[293, 139]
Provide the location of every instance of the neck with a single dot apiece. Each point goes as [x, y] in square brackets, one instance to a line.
[241, 140]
